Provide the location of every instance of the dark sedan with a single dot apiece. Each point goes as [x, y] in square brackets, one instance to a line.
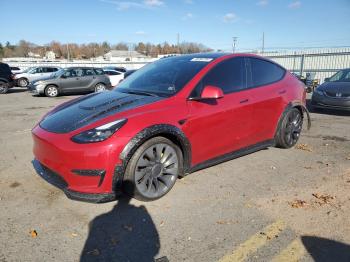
[334, 93]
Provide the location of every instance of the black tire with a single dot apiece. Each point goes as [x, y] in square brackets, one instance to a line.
[51, 91]
[289, 129]
[100, 87]
[4, 87]
[153, 169]
[23, 82]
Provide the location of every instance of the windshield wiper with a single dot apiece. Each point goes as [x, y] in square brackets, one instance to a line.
[138, 92]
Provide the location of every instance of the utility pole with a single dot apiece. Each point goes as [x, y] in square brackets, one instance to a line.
[178, 43]
[234, 44]
[263, 43]
[68, 53]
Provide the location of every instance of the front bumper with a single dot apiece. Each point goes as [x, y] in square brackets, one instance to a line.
[85, 171]
[35, 90]
[56, 180]
[323, 101]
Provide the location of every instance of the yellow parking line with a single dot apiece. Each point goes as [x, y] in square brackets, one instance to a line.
[255, 242]
[292, 253]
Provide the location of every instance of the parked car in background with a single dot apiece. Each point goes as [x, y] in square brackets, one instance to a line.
[170, 118]
[334, 93]
[16, 70]
[116, 68]
[34, 73]
[129, 72]
[114, 76]
[72, 80]
[6, 78]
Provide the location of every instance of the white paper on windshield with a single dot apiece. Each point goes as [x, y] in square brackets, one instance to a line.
[201, 59]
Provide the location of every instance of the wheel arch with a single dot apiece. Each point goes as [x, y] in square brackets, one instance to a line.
[170, 132]
[57, 86]
[302, 109]
[4, 80]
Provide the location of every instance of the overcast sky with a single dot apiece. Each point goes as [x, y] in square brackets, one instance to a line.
[286, 23]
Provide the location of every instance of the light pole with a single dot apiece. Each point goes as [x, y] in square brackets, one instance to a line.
[234, 44]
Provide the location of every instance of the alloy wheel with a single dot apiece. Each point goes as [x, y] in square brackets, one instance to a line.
[22, 82]
[293, 127]
[3, 87]
[100, 88]
[156, 170]
[52, 91]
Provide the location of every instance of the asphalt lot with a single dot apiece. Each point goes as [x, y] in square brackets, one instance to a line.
[275, 204]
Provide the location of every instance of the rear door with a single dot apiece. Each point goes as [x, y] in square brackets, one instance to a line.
[87, 79]
[268, 92]
[216, 127]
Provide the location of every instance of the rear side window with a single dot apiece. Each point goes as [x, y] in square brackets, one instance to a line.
[229, 75]
[99, 71]
[88, 72]
[264, 72]
[112, 73]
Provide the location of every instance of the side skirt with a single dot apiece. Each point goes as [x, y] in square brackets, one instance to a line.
[232, 155]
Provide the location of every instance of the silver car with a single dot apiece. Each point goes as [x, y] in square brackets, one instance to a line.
[34, 73]
[72, 80]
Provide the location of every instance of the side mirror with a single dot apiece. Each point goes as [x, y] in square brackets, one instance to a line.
[212, 92]
[326, 79]
[63, 76]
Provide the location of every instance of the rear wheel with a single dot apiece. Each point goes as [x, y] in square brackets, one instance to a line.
[290, 128]
[100, 87]
[23, 82]
[3, 87]
[51, 91]
[153, 169]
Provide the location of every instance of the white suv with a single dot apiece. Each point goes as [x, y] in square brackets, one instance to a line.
[34, 73]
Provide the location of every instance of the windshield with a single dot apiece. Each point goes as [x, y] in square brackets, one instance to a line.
[341, 76]
[164, 77]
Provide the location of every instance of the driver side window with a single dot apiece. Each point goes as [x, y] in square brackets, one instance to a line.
[229, 75]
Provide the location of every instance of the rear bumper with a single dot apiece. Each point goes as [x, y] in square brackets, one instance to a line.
[329, 102]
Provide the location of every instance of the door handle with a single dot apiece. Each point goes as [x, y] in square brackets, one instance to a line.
[244, 101]
[77, 78]
[282, 92]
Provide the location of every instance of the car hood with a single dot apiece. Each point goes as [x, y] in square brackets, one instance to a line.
[87, 109]
[335, 87]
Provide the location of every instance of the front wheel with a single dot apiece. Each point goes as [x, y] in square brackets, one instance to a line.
[3, 87]
[51, 91]
[153, 169]
[100, 87]
[290, 128]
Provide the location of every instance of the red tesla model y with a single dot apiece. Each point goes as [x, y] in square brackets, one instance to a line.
[168, 119]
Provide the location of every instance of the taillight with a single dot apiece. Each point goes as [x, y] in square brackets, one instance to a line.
[12, 76]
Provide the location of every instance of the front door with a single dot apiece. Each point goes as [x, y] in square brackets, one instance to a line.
[219, 126]
[70, 81]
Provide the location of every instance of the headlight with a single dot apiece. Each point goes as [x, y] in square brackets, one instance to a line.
[100, 133]
[319, 92]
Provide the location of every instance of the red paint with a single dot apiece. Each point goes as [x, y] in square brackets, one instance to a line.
[213, 127]
[212, 92]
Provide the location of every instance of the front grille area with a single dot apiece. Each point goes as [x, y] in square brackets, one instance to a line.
[337, 95]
